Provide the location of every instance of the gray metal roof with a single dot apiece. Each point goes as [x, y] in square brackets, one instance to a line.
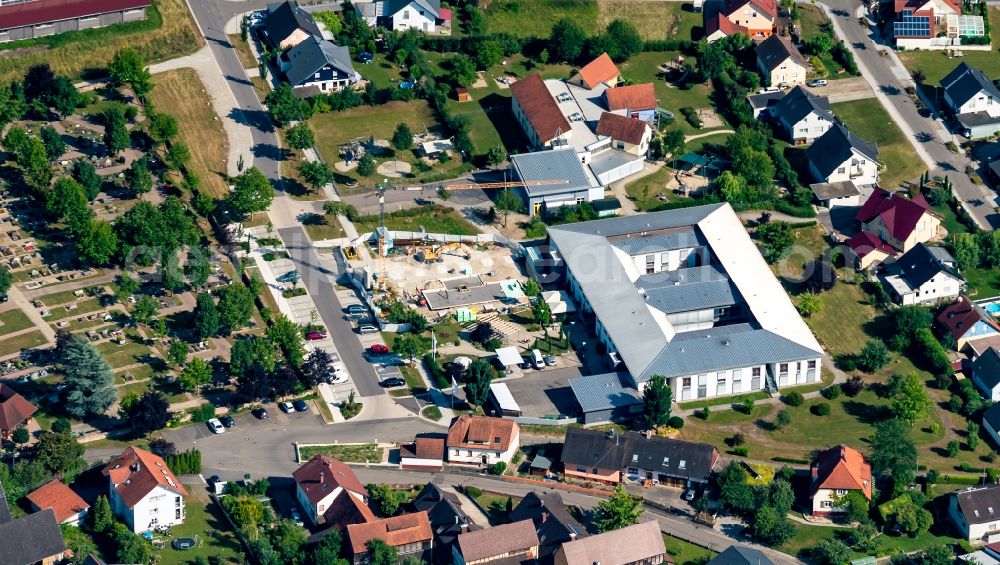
[722, 348]
[313, 54]
[432, 6]
[610, 227]
[604, 392]
[833, 148]
[286, 17]
[741, 555]
[684, 290]
[964, 82]
[986, 368]
[799, 103]
[554, 164]
[607, 161]
[658, 241]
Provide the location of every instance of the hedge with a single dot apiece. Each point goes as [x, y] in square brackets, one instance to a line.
[184, 463]
[951, 480]
[933, 351]
[793, 460]
[436, 372]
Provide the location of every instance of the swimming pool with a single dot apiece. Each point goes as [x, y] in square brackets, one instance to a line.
[993, 308]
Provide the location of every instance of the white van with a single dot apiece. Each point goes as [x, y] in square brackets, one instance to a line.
[537, 360]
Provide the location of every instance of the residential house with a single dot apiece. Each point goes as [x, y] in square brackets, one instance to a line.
[330, 492]
[482, 440]
[538, 113]
[516, 540]
[410, 534]
[601, 70]
[802, 115]
[991, 422]
[829, 195]
[986, 374]
[634, 101]
[899, 221]
[30, 540]
[14, 410]
[839, 155]
[41, 18]
[68, 507]
[922, 275]
[741, 555]
[939, 9]
[447, 517]
[426, 453]
[570, 182]
[423, 15]
[143, 491]
[756, 16]
[974, 99]
[717, 26]
[763, 103]
[975, 512]
[685, 294]
[554, 525]
[591, 455]
[317, 66]
[867, 250]
[935, 24]
[639, 544]
[631, 135]
[780, 62]
[835, 473]
[966, 322]
[286, 25]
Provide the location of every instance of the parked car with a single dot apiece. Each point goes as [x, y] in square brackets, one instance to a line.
[525, 363]
[286, 407]
[367, 329]
[260, 413]
[537, 360]
[689, 495]
[818, 82]
[296, 517]
[300, 406]
[391, 382]
[339, 375]
[550, 360]
[228, 421]
[315, 336]
[378, 349]
[356, 309]
[365, 57]
[216, 426]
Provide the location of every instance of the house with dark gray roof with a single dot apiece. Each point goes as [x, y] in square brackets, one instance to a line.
[317, 66]
[607, 397]
[839, 155]
[286, 25]
[421, 15]
[986, 374]
[448, 520]
[38, 538]
[803, 116]
[975, 512]
[780, 62]
[685, 294]
[557, 177]
[741, 555]
[923, 275]
[991, 422]
[974, 100]
[554, 524]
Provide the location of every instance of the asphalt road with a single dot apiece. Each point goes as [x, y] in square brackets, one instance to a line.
[891, 91]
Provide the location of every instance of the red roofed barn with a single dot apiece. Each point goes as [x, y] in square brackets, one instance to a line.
[537, 112]
[331, 493]
[14, 410]
[143, 491]
[40, 18]
[410, 534]
[836, 472]
[68, 507]
[601, 70]
[901, 222]
[630, 135]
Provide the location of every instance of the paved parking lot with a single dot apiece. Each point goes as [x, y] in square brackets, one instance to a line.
[553, 383]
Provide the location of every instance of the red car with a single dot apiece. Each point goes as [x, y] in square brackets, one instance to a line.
[378, 349]
[315, 336]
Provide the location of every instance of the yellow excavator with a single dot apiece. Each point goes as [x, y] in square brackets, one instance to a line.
[433, 253]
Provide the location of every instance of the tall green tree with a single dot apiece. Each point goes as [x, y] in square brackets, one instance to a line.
[327, 551]
[99, 518]
[910, 402]
[892, 454]
[873, 356]
[300, 136]
[138, 177]
[623, 40]
[250, 352]
[67, 202]
[163, 127]
[62, 96]
[287, 335]
[477, 381]
[197, 373]
[619, 510]
[410, 346]
[116, 137]
[402, 138]
[177, 156]
[252, 192]
[35, 165]
[316, 174]
[89, 379]
[508, 203]
[85, 174]
[566, 41]
[381, 553]
[463, 70]
[5, 280]
[656, 400]
[53, 142]
[98, 244]
[777, 240]
[283, 105]
[206, 316]
[235, 306]
[126, 67]
[59, 453]
[149, 413]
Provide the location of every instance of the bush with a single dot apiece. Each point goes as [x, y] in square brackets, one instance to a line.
[820, 409]
[184, 463]
[932, 476]
[832, 392]
[738, 439]
[853, 386]
[703, 413]
[473, 491]
[676, 422]
[741, 451]
[691, 115]
[793, 399]
[498, 468]
[203, 413]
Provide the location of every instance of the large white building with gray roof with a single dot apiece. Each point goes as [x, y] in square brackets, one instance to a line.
[571, 184]
[684, 294]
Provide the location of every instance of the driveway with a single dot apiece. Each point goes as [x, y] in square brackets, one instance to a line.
[539, 393]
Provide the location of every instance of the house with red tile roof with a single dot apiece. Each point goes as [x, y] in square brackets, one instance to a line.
[68, 507]
[630, 135]
[410, 534]
[966, 322]
[717, 26]
[14, 410]
[601, 70]
[40, 18]
[537, 112]
[143, 491]
[868, 250]
[899, 221]
[757, 16]
[635, 100]
[516, 541]
[836, 472]
[425, 453]
[482, 440]
[330, 492]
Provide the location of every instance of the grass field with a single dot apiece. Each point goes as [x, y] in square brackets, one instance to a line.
[203, 520]
[644, 67]
[684, 553]
[329, 229]
[19, 342]
[12, 321]
[170, 32]
[362, 453]
[811, 17]
[643, 191]
[936, 64]
[181, 94]
[536, 17]
[434, 219]
[243, 51]
[868, 120]
[653, 19]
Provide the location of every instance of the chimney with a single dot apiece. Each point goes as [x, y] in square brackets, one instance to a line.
[322, 475]
[545, 516]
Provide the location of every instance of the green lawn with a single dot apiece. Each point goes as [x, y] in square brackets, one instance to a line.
[696, 145]
[644, 67]
[643, 191]
[204, 521]
[432, 412]
[685, 553]
[936, 64]
[982, 282]
[123, 355]
[12, 321]
[838, 326]
[434, 219]
[330, 228]
[806, 537]
[361, 453]
[23, 341]
[868, 120]
[654, 20]
[811, 17]
[536, 17]
[949, 220]
[496, 506]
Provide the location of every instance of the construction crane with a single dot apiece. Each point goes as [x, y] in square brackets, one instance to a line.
[507, 184]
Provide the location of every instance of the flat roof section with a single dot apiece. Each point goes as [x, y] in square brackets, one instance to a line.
[444, 298]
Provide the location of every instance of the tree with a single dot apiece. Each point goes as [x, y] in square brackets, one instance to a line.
[732, 187]
[250, 352]
[89, 379]
[542, 313]
[777, 240]
[410, 346]
[782, 419]
[463, 70]
[125, 286]
[300, 136]
[496, 155]
[623, 40]
[59, 453]
[126, 67]
[283, 105]
[287, 335]
[20, 436]
[821, 44]
[62, 96]
[386, 499]
[252, 192]
[35, 165]
[892, 454]
[366, 165]
[316, 174]
[68, 203]
[148, 414]
[873, 356]
[177, 156]
[131, 548]
[477, 381]
[206, 316]
[972, 435]
[144, 309]
[235, 306]
[381, 553]
[177, 352]
[99, 517]
[908, 321]
[289, 539]
[85, 174]
[488, 53]
[656, 399]
[53, 142]
[771, 527]
[475, 21]
[5, 280]
[508, 203]
[196, 373]
[12, 103]
[830, 552]
[138, 177]
[116, 136]
[619, 510]
[317, 367]
[910, 402]
[162, 127]
[913, 520]
[566, 41]
[327, 551]
[402, 138]
[808, 303]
